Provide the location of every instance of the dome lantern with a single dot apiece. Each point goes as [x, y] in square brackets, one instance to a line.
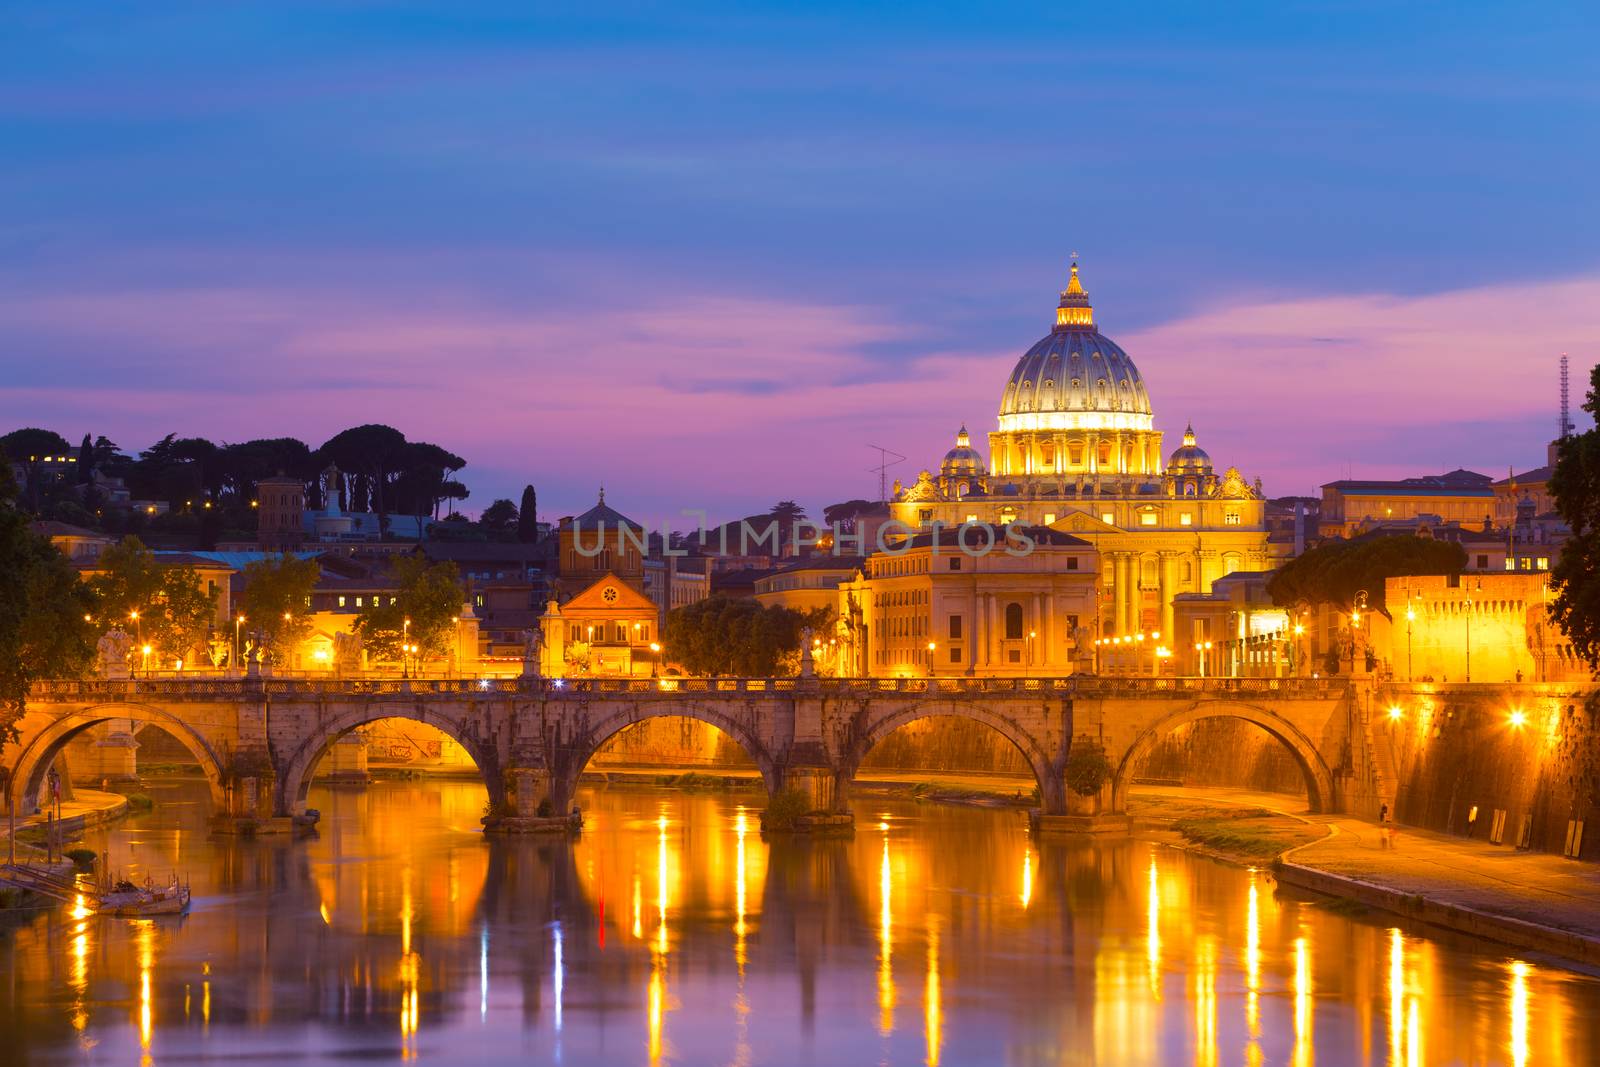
[1074, 312]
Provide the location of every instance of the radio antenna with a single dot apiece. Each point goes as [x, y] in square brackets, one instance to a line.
[1566, 410]
[882, 469]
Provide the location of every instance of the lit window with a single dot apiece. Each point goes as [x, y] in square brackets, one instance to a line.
[1231, 519]
[1147, 518]
[341, 602]
[1544, 563]
[1108, 518]
[972, 518]
[1511, 563]
[1049, 518]
[1186, 519]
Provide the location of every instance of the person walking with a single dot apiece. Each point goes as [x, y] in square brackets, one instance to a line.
[1384, 840]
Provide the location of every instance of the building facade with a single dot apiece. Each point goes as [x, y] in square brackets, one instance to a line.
[1076, 450]
[936, 606]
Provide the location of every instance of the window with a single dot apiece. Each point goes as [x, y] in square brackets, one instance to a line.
[1511, 563]
[341, 602]
[1483, 562]
[1049, 518]
[1013, 622]
[477, 601]
[972, 518]
[1231, 519]
[308, 601]
[1072, 563]
[955, 563]
[955, 627]
[359, 599]
[1543, 563]
[1186, 519]
[1148, 518]
[1108, 518]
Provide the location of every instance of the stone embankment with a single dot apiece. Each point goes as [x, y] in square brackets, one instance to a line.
[1523, 900]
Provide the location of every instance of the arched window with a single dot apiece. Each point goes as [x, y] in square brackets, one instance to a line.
[1013, 622]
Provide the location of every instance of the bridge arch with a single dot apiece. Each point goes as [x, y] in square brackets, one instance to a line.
[1318, 778]
[294, 773]
[39, 751]
[1047, 767]
[571, 755]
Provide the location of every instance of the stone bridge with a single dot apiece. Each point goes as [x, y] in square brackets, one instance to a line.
[259, 740]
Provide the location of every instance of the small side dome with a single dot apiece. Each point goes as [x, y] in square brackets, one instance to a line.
[962, 461]
[1189, 459]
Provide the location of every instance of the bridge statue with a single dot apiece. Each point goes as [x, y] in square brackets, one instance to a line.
[532, 640]
[113, 648]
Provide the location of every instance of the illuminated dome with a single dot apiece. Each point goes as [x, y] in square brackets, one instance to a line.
[962, 461]
[1076, 378]
[1190, 459]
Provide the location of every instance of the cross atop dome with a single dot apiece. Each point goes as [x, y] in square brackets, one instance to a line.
[1074, 312]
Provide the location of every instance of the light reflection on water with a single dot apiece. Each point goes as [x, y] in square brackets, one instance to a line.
[672, 932]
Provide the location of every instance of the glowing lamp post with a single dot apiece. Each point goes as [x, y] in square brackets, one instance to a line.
[405, 638]
[931, 647]
[655, 658]
[238, 621]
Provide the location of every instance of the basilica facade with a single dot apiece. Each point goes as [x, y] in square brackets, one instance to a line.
[1076, 449]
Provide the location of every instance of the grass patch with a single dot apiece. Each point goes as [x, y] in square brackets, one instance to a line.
[1341, 906]
[693, 781]
[784, 809]
[1229, 837]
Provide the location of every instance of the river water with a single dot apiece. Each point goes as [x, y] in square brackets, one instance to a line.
[672, 933]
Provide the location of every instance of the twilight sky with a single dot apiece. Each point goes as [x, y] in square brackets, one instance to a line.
[707, 254]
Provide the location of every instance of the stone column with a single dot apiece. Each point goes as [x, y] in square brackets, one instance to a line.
[1119, 593]
[1049, 631]
[979, 633]
[350, 758]
[1169, 589]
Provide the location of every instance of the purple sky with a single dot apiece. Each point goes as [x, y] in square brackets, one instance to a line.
[708, 257]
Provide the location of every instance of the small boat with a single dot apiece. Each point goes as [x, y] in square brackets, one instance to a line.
[129, 901]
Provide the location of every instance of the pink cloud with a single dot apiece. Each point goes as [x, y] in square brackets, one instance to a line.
[676, 398]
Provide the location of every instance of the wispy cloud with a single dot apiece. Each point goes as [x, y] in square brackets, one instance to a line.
[690, 397]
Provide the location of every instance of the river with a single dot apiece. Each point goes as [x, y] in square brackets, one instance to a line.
[672, 933]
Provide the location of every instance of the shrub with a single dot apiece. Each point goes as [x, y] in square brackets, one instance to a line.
[1087, 770]
[786, 806]
[495, 812]
[83, 857]
[546, 809]
[140, 802]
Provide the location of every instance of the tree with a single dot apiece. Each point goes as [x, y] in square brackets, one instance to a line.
[1575, 484]
[85, 461]
[29, 447]
[499, 517]
[528, 517]
[1335, 571]
[174, 612]
[369, 454]
[428, 596]
[274, 601]
[43, 632]
[726, 635]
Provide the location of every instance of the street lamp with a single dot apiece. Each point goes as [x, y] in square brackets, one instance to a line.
[134, 615]
[405, 637]
[930, 659]
[655, 658]
[1031, 635]
[238, 621]
[145, 662]
[1201, 648]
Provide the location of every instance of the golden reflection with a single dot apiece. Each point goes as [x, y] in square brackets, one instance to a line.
[146, 943]
[638, 908]
[1413, 1037]
[1519, 1013]
[1302, 1056]
[661, 885]
[656, 995]
[885, 942]
[1397, 995]
[739, 928]
[1252, 972]
[1205, 1002]
[1153, 937]
[410, 967]
[933, 1012]
[741, 1006]
[1027, 876]
[79, 978]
